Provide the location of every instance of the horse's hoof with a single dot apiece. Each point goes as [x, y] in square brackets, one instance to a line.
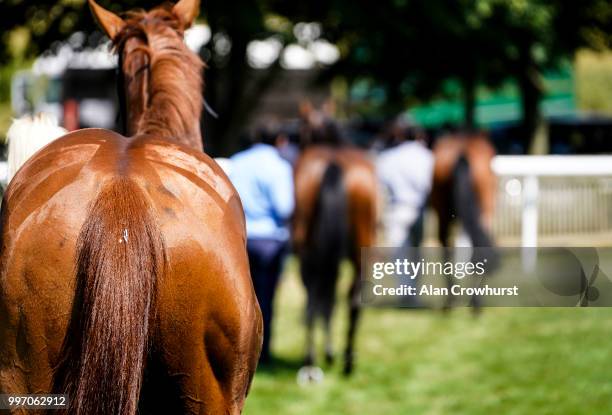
[309, 375]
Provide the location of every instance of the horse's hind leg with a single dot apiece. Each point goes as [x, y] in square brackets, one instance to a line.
[309, 373]
[445, 214]
[354, 313]
[311, 313]
[329, 349]
[208, 334]
[467, 206]
[309, 359]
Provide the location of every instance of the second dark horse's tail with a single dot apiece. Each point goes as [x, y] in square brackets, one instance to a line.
[327, 237]
[120, 258]
[467, 206]
[467, 209]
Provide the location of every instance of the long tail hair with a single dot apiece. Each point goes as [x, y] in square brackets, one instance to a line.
[327, 237]
[120, 259]
[467, 206]
[467, 209]
[27, 135]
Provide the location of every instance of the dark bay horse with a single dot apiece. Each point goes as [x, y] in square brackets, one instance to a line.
[464, 189]
[335, 216]
[464, 186]
[124, 279]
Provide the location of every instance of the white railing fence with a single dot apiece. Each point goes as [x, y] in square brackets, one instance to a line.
[558, 198]
[543, 196]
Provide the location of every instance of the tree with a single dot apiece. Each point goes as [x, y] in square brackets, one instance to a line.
[540, 35]
[411, 47]
[408, 48]
[229, 91]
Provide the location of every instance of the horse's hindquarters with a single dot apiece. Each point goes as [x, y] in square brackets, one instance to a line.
[206, 331]
[209, 327]
[35, 303]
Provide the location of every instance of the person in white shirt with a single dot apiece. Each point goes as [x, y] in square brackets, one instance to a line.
[405, 172]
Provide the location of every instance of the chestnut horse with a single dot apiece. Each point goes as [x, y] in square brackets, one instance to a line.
[124, 278]
[335, 216]
[464, 188]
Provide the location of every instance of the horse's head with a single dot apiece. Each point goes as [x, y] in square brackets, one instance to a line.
[142, 33]
[184, 12]
[318, 125]
[153, 58]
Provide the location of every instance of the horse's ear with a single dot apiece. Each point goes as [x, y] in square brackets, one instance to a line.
[187, 11]
[108, 21]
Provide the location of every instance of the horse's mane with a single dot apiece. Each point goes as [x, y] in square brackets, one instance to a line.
[174, 99]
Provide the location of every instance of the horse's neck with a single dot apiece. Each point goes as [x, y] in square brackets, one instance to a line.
[166, 102]
[160, 121]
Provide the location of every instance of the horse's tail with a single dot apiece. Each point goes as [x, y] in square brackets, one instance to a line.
[467, 206]
[328, 238]
[26, 136]
[120, 259]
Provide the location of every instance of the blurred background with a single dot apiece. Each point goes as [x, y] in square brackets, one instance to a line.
[535, 75]
[517, 68]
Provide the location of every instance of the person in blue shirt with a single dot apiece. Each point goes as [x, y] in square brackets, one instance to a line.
[264, 181]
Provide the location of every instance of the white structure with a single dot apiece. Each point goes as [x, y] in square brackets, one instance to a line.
[525, 175]
[26, 136]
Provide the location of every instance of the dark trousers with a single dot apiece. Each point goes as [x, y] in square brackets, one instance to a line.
[266, 259]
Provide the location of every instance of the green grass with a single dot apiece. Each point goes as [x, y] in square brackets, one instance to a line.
[507, 361]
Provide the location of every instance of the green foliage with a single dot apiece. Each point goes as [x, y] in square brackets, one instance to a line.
[6, 74]
[594, 81]
[44, 23]
[405, 50]
[387, 40]
[410, 47]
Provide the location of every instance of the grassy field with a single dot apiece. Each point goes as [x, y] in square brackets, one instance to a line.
[507, 361]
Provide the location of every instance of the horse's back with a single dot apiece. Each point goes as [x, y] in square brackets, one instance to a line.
[358, 169]
[205, 296]
[477, 150]
[190, 194]
[359, 180]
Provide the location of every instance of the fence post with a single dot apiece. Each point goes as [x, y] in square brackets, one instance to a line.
[529, 222]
